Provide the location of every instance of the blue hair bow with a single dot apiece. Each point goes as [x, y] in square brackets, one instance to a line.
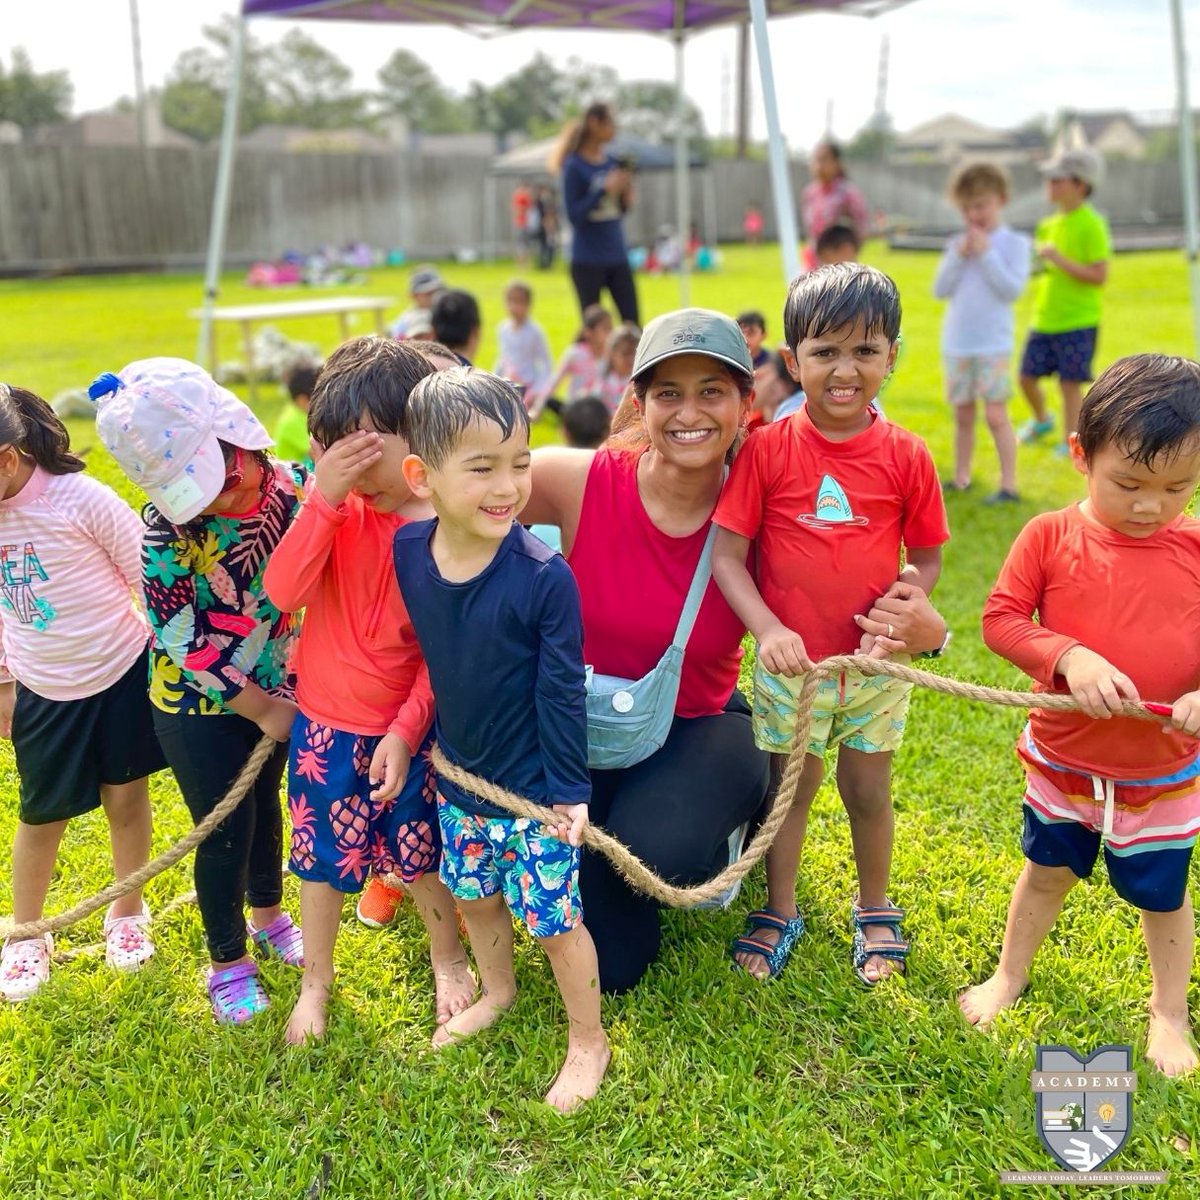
[104, 385]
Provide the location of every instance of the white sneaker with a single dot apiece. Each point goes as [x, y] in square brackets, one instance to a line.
[127, 943]
[24, 967]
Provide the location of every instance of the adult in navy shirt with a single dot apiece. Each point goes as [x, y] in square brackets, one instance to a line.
[597, 193]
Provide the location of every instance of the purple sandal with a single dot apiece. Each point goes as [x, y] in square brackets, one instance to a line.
[281, 939]
[236, 994]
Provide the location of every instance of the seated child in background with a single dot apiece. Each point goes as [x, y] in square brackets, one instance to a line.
[618, 363]
[524, 351]
[1114, 583]
[586, 424]
[498, 618]
[789, 397]
[424, 285]
[291, 430]
[220, 674]
[838, 243]
[72, 679]
[982, 272]
[457, 324]
[754, 329]
[360, 786]
[582, 365]
[828, 500]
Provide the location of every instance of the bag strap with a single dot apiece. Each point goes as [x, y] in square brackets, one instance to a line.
[695, 596]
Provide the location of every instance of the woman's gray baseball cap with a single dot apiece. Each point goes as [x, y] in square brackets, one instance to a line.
[693, 331]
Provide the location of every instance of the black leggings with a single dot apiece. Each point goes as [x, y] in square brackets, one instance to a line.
[675, 811]
[590, 278]
[241, 860]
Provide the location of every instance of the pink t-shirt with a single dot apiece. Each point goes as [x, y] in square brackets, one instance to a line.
[633, 580]
[70, 586]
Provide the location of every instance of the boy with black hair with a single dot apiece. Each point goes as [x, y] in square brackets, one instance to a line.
[291, 430]
[828, 499]
[586, 422]
[360, 785]
[1114, 582]
[457, 324]
[497, 614]
[838, 243]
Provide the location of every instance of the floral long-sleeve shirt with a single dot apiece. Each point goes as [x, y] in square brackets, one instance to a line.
[215, 628]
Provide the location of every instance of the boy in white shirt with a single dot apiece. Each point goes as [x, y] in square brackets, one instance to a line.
[982, 272]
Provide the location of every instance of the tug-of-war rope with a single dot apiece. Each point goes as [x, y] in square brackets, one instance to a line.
[639, 875]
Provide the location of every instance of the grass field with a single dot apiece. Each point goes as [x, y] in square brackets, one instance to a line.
[720, 1087]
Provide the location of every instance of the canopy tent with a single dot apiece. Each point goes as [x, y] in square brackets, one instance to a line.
[674, 18]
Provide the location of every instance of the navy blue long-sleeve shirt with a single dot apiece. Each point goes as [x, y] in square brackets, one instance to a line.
[505, 657]
[598, 238]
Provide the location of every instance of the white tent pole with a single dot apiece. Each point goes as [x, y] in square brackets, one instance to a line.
[1187, 164]
[683, 188]
[221, 195]
[781, 184]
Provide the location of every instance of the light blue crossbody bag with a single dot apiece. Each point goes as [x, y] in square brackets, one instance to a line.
[629, 719]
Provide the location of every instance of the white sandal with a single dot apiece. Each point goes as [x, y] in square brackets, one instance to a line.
[25, 967]
[127, 941]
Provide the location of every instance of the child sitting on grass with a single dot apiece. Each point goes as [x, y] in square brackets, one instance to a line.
[582, 365]
[359, 783]
[498, 618]
[291, 429]
[1115, 585]
[828, 499]
[219, 665]
[72, 678]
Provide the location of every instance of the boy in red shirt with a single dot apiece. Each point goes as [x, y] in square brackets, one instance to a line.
[822, 504]
[1115, 584]
[360, 785]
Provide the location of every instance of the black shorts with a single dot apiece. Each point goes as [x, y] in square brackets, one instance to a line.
[67, 749]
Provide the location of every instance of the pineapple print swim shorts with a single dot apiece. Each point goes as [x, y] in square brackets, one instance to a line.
[339, 834]
[538, 874]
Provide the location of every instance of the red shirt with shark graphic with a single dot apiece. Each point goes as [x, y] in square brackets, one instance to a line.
[828, 520]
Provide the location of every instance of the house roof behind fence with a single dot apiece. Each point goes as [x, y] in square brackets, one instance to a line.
[650, 16]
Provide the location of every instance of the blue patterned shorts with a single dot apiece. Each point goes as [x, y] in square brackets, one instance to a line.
[339, 834]
[538, 874]
[1067, 355]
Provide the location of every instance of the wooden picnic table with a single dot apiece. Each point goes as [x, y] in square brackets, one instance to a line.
[247, 314]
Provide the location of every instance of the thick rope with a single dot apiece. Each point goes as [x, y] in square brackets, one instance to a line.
[643, 879]
[629, 865]
[156, 866]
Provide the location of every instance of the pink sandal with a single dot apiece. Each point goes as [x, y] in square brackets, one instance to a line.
[236, 994]
[281, 939]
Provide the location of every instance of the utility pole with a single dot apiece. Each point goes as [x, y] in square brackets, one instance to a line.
[139, 83]
[881, 83]
[743, 88]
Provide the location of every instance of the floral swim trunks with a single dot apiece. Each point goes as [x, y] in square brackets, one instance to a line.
[537, 874]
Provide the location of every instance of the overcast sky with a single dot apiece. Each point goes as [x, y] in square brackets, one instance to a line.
[997, 61]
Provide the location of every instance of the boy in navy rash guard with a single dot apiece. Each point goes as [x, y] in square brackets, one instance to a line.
[498, 618]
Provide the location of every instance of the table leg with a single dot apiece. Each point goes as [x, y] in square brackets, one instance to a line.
[248, 350]
[344, 324]
[380, 327]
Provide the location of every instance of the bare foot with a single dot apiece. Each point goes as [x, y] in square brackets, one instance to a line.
[307, 1022]
[487, 1010]
[983, 1002]
[1170, 1046]
[455, 988]
[581, 1073]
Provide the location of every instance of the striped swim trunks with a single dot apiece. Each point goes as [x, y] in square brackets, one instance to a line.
[1146, 827]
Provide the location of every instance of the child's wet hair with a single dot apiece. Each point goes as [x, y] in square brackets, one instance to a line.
[365, 377]
[32, 427]
[1146, 405]
[445, 403]
[837, 295]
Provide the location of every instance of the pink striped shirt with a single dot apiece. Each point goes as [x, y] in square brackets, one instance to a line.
[70, 567]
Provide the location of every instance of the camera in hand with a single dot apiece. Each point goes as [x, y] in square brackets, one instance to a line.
[627, 162]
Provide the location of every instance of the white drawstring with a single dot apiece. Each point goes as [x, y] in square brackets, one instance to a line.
[1104, 793]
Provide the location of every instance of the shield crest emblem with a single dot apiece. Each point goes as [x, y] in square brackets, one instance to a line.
[1083, 1105]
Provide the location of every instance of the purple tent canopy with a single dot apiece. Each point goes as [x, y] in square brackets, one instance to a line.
[649, 16]
[673, 17]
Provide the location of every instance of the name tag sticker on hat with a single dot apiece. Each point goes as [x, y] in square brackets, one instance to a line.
[181, 494]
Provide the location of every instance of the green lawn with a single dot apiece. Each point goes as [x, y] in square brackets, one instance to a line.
[720, 1087]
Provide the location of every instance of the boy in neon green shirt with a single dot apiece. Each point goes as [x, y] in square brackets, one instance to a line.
[291, 430]
[1075, 246]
